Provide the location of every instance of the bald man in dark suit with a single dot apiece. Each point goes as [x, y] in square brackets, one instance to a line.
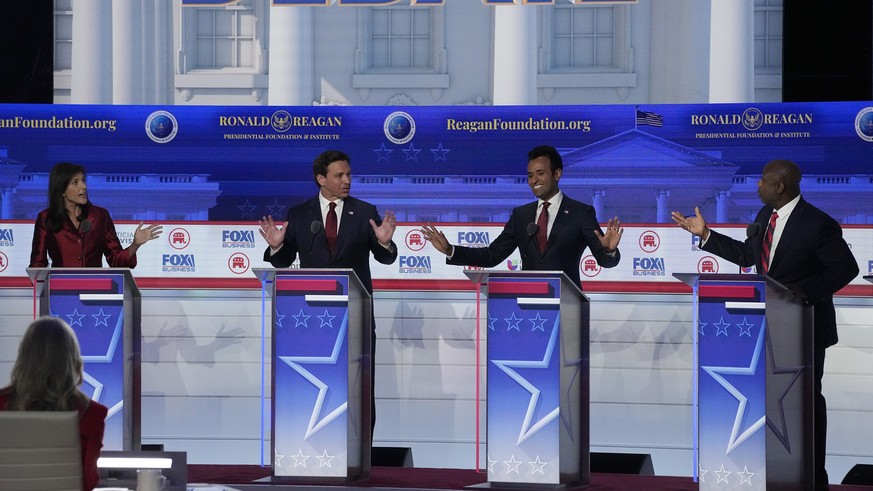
[807, 254]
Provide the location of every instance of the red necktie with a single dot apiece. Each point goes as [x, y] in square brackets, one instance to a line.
[330, 227]
[768, 241]
[543, 226]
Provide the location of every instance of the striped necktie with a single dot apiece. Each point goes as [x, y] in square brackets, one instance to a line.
[768, 241]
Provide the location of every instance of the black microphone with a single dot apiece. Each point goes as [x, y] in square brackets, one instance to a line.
[532, 229]
[84, 227]
[315, 228]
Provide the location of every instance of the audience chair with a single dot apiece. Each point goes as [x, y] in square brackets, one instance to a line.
[40, 450]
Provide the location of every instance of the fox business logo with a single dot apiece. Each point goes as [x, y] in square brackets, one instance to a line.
[238, 239]
[177, 263]
[415, 264]
[6, 239]
[473, 239]
[869, 267]
[649, 266]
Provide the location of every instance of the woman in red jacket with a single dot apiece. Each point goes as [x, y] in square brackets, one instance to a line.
[46, 377]
[72, 232]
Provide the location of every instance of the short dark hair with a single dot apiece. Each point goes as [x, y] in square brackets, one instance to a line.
[324, 159]
[547, 151]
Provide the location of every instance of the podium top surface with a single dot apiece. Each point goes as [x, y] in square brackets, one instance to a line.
[38, 276]
[691, 279]
[481, 277]
[266, 275]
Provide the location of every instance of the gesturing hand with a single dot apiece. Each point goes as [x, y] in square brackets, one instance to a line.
[143, 235]
[385, 231]
[612, 237]
[437, 238]
[271, 233]
[694, 223]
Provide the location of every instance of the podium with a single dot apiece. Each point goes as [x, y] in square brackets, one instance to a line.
[753, 383]
[103, 306]
[537, 380]
[320, 375]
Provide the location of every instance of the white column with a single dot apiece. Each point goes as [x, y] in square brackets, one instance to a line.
[680, 52]
[291, 56]
[721, 207]
[663, 215]
[515, 55]
[127, 54]
[732, 51]
[598, 203]
[91, 75]
[7, 209]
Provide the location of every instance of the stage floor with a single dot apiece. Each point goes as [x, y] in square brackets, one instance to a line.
[242, 477]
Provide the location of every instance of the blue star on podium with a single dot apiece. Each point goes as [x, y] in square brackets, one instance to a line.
[315, 424]
[528, 428]
[718, 372]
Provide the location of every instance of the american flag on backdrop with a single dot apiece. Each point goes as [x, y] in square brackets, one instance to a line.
[649, 118]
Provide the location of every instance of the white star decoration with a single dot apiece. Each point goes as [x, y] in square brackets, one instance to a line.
[300, 319]
[101, 318]
[722, 475]
[538, 323]
[324, 459]
[746, 476]
[326, 319]
[78, 318]
[300, 459]
[512, 465]
[537, 466]
[513, 321]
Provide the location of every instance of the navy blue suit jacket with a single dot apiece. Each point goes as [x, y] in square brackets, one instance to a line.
[572, 233]
[811, 256]
[354, 243]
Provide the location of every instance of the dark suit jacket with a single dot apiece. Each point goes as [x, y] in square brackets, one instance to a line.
[572, 232]
[354, 242]
[64, 249]
[811, 256]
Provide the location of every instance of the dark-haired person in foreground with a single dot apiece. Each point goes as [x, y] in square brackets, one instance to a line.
[46, 377]
[344, 240]
[806, 253]
[72, 232]
[551, 233]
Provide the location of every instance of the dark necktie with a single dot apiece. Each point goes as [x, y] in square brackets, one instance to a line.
[543, 226]
[768, 241]
[330, 227]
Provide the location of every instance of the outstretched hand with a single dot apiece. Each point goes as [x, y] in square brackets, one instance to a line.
[693, 223]
[271, 233]
[143, 235]
[385, 231]
[612, 237]
[437, 238]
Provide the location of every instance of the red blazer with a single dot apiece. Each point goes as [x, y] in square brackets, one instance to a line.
[92, 421]
[65, 247]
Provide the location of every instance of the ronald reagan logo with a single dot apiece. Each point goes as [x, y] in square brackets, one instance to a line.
[4, 262]
[415, 265]
[161, 126]
[399, 127]
[650, 241]
[707, 264]
[864, 124]
[415, 240]
[237, 239]
[473, 239]
[179, 238]
[280, 121]
[752, 119]
[238, 263]
[177, 263]
[589, 267]
[6, 239]
[649, 266]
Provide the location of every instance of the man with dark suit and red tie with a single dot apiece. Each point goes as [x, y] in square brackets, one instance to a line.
[551, 233]
[333, 230]
[801, 247]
